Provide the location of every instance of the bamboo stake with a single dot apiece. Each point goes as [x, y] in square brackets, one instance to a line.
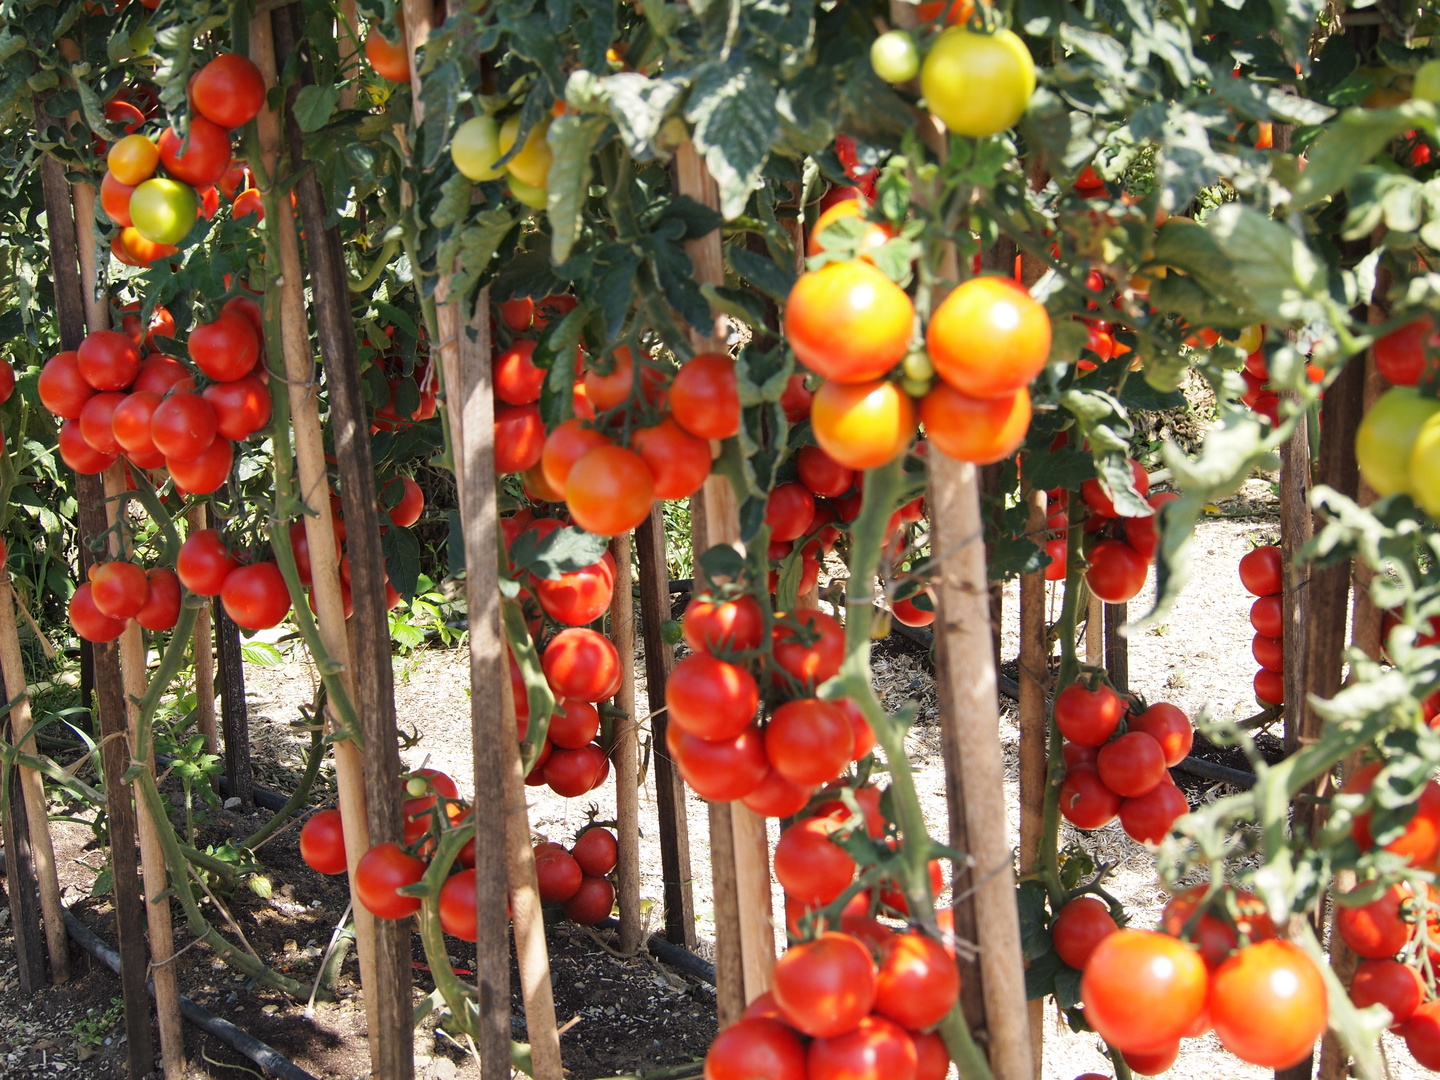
[204, 678]
[1095, 632]
[627, 760]
[1034, 734]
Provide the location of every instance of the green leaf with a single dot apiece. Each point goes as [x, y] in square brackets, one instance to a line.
[314, 105]
[1350, 144]
[639, 105]
[788, 582]
[262, 654]
[572, 140]
[402, 559]
[772, 279]
[562, 552]
[1273, 267]
[1035, 939]
[733, 110]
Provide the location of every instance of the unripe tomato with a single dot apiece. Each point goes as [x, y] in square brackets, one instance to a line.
[1143, 989]
[133, 159]
[1424, 466]
[705, 398]
[978, 84]
[381, 871]
[989, 337]
[848, 322]
[1387, 437]
[862, 426]
[1079, 928]
[162, 600]
[229, 90]
[88, 620]
[609, 491]
[537, 198]
[322, 843]
[200, 159]
[163, 210]
[895, 56]
[978, 430]
[531, 165]
[1268, 1004]
[474, 148]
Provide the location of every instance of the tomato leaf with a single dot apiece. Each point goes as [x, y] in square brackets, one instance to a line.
[562, 552]
[572, 140]
[772, 279]
[733, 110]
[402, 559]
[314, 105]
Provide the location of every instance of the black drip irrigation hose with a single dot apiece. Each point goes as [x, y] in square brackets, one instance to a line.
[675, 955]
[267, 1057]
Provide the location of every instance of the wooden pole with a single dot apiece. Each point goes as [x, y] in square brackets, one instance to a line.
[205, 679]
[1117, 646]
[24, 892]
[234, 717]
[1095, 631]
[1034, 731]
[965, 667]
[1295, 531]
[674, 828]
[627, 760]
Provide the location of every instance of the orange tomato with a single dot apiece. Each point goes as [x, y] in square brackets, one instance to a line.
[679, 461]
[564, 446]
[115, 198]
[848, 322]
[862, 426]
[133, 159]
[606, 390]
[610, 490]
[143, 252]
[989, 337]
[390, 59]
[978, 430]
[875, 233]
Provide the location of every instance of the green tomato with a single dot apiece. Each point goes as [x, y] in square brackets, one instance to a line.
[1425, 465]
[1427, 82]
[977, 84]
[895, 57]
[476, 147]
[141, 41]
[918, 366]
[533, 197]
[164, 211]
[1386, 444]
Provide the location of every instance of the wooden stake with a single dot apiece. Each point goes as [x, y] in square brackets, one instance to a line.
[24, 892]
[674, 828]
[1296, 529]
[1117, 646]
[627, 760]
[1095, 631]
[234, 716]
[205, 679]
[1034, 732]
[972, 722]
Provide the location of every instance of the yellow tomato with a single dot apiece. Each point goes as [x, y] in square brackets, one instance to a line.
[163, 211]
[1385, 445]
[977, 84]
[133, 159]
[476, 147]
[862, 425]
[1425, 466]
[532, 164]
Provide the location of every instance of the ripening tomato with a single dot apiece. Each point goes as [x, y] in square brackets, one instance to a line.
[1085, 801]
[756, 1048]
[1400, 354]
[225, 349]
[862, 426]
[677, 460]
[1099, 500]
[848, 322]
[97, 422]
[390, 58]
[78, 454]
[711, 699]
[580, 664]
[989, 337]
[322, 843]
[242, 407]
[133, 159]
[825, 987]
[1088, 717]
[550, 309]
[1424, 464]
[816, 661]
[1397, 986]
[518, 312]
[875, 233]
[572, 773]
[1117, 572]
[609, 490]
[1148, 819]
[1262, 571]
[381, 871]
[777, 797]
[564, 446]
[162, 600]
[89, 622]
[579, 596]
[183, 426]
[808, 741]
[229, 90]
[519, 437]
[795, 400]
[199, 159]
[1132, 765]
[877, 1049]
[979, 430]
[720, 770]
[1170, 727]
[705, 396]
[1143, 989]
[115, 199]
[809, 866]
[531, 163]
[108, 360]
[204, 562]
[1387, 435]
[1268, 1004]
[517, 380]
[1079, 928]
[119, 589]
[163, 211]
[255, 596]
[723, 626]
[592, 902]
[1140, 531]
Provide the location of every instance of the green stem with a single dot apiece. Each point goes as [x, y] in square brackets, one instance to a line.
[360, 284]
[170, 664]
[302, 792]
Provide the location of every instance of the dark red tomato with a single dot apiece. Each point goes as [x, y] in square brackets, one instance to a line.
[756, 1048]
[550, 308]
[130, 422]
[580, 596]
[1096, 498]
[203, 474]
[1143, 989]
[1059, 553]
[247, 306]
[97, 422]
[679, 461]
[1085, 801]
[204, 562]
[519, 438]
[183, 426]
[859, 728]
[1400, 354]
[235, 179]
[63, 390]
[1117, 571]
[723, 626]
[518, 313]
[1079, 928]
[242, 407]
[573, 724]
[1269, 687]
[87, 619]
[808, 741]
[517, 380]
[162, 600]
[788, 512]
[1148, 819]
[893, 898]
[226, 349]
[592, 902]
[877, 1049]
[108, 360]
[558, 873]
[705, 398]
[457, 906]
[1268, 1004]
[1140, 532]
[1269, 652]
[255, 596]
[80, 455]
[1152, 1062]
[1378, 929]
[229, 91]
[822, 474]
[596, 851]
[777, 797]
[917, 983]
[158, 374]
[1422, 1035]
[1170, 727]
[411, 505]
[1397, 986]
[814, 652]
[1262, 572]
[1267, 616]
[795, 401]
[572, 773]
[1076, 755]
[322, 843]
[809, 866]
[581, 664]
[932, 1060]
[826, 986]
[719, 770]
[381, 871]
[200, 159]
[1088, 717]
[711, 699]
[119, 589]
[1132, 765]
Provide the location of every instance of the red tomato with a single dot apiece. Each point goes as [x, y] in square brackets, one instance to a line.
[1085, 801]
[1059, 553]
[809, 866]
[108, 360]
[62, 389]
[1147, 819]
[581, 664]
[1269, 687]
[1397, 986]
[808, 741]
[918, 981]
[225, 349]
[564, 446]
[381, 871]
[848, 322]
[932, 1059]
[777, 797]
[457, 906]
[756, 1048]
[719, 770]
[204, 562]
[810, 664]
[573, 724]
[242, 407]
[517, 379]
[551, 308]
[130, 422]
[609, 491]
[183, 426]
[157, 375]
[322, 843]
[1267, 616]
[596, 851]
[572, 773]
[162, 600]
[788, 511]
[862, 425]
[826, 986]
[1076, 755]
[1170, 727]
[1117, 572]
[255, 596]
[1400, 354]
[229, 91]
[89, 622]
[203, 474]
[705, 398]
[580, 596]
[821, 473]
[1132, 765]
[910, 615]
[1143, 990]
[558, 872]
[125, 114]
[981, 430]
[678, 461]
[1152, 1062]
[1422, 1035]
[78, 454]
[1262, 572]
[795, 401]
[1088, 717]
[390, 59]
[97, 422]
[1376, 930]
[200, 159]
[988, 338]
[1140, 532]
[1269, 652]
[876, 1049]
[611, 388]
[519, 438]
[711, 699]
[235, 179]
[115, 199]
[1268, 1004]
[518, 313]
[1079, 928]
[1096, 498]
[723, 626]
[592, 902]
[119, 589]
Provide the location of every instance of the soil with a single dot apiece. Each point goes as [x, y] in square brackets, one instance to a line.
[619, 1014]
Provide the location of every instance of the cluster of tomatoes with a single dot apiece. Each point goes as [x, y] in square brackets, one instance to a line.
[860, 1002]
[579, 879]
[119, 591]
[155, 213]
[1398, 444]
[1126, 775]
[1262, 574]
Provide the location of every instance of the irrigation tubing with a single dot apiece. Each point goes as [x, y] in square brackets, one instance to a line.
[263, 797]
[675, 955]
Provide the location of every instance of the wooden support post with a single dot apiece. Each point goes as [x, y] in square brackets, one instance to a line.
[627, 760]
[1117, 646]
[970, 723]
[1034, 678]
[205, 680]
[674, 828]
[1296, 529]
[990, 478]
[1095, 631]
[234, 717]
[23, 891]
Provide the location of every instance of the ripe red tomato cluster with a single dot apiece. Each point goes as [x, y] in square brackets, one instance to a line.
[858, 1004]
[1126, 775]
[579, 878]
[119, 591]
[1262, 399]
[254, 595]
[405, 512]
[1262, 574]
